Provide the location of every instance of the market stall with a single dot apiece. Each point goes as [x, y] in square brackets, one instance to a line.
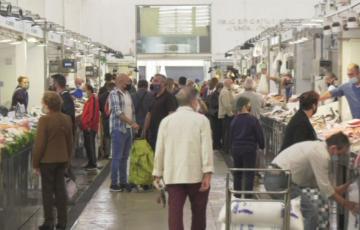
[34, 47]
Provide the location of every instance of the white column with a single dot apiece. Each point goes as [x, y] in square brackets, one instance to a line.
[35, 72]
[21, 59]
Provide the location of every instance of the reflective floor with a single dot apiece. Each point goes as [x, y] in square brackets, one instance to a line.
[137, 211]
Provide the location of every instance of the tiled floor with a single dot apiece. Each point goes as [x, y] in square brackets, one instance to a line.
[138, 211]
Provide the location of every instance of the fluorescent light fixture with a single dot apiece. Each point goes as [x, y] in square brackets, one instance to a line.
[317, 20]
[6, 40]
[32, 40]
[42, 45]
[15, 43]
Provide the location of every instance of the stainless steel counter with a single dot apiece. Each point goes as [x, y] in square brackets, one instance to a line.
[20, 194]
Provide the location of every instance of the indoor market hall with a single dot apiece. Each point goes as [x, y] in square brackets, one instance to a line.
[179, 115]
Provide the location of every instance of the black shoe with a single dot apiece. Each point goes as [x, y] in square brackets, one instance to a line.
[116, 188]
[60, 227]
[91, 168]
[126, 187]
[46, 227]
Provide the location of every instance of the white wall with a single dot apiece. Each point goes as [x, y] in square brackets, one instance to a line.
[112, 22]
[7, 74]
[116, 25]
[35, 72]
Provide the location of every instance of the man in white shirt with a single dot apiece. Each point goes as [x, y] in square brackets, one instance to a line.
[226, 111]
[309, 164]
[184, 159]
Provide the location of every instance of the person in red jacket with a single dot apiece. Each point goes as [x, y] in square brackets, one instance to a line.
[90, 125]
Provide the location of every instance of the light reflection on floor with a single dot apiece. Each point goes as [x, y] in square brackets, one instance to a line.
[137, 211]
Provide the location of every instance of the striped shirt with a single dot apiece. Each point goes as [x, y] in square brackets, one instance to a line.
[118, 105]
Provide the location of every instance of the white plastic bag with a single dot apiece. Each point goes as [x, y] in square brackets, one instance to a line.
[71, 188]
[263, 86]
[259, 214]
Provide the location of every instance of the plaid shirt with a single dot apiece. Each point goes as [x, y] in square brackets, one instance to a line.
[117, 106]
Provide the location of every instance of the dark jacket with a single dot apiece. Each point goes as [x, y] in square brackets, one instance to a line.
[54, 142]
[298, 130]
[143, 101]
[68, 106]
[212, 101]
[20, 96]
[246, 134]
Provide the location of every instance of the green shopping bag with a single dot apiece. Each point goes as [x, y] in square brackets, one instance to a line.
[141, 163]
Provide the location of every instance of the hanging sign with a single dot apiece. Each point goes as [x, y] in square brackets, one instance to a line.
[68, 43]
[275, 41]
[287, 36]
[34, 31]
[54, 37]
[12, 24]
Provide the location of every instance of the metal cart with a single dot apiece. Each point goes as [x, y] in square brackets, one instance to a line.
[285, 193]
[274, 132]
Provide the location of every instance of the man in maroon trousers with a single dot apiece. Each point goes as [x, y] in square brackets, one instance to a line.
[184, 159]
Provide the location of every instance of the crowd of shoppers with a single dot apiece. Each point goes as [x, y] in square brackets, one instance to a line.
[184, 123]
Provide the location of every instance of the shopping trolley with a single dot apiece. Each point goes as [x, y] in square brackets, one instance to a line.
[285, 193]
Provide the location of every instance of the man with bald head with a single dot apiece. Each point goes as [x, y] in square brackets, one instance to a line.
[164, 104]
[226, 111]
[122, 124]
[184, 159]
[351, 90]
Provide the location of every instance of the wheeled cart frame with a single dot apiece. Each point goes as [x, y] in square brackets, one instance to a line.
[285, 193]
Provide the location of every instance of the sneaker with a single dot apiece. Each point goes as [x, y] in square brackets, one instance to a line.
[46, 227]
[126, 187]
[116, 188]
[90, 168]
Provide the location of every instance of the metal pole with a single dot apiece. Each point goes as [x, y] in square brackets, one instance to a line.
[287, 208]
[333, 220]
[279, 72]
[268, 61]
[46, 81]
[228, 203]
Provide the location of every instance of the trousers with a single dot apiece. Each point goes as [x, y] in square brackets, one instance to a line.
[121, 146]
[177, 197]
[226, 121]
[278, 182]
[245, 159]
[54, 192]
[89, 142]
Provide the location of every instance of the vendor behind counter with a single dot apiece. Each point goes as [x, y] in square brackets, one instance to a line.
[351, 90]
[300, 128]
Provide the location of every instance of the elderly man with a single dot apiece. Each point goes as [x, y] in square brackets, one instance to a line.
[256, 100]
[226, 111]
[351, 90]
[309, 163]
[122, 121]
[164, 104]
[184, 159]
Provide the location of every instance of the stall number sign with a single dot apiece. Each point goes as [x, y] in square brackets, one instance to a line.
[247, 24]
[10, 23]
